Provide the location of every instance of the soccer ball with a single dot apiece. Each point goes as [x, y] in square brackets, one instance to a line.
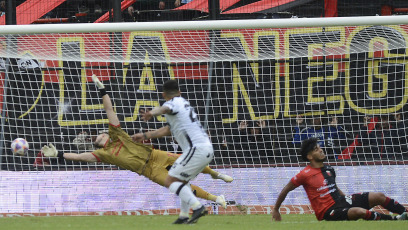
[19, 147]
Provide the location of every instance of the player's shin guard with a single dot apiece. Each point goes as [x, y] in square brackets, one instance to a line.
[185, 193]
[393, 206]
[377, 216]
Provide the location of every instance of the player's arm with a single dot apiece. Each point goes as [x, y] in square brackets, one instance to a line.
[147, 115]
[87, 157]
[163, 131]
[282, 196]
[107, 103]
[50, 151]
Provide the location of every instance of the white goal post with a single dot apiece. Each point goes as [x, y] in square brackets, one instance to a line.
[259, 87]
[202, 25]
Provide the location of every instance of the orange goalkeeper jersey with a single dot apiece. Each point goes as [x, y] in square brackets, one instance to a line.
[123, 151]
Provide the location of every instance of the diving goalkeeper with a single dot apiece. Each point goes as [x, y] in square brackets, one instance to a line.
[118, 148]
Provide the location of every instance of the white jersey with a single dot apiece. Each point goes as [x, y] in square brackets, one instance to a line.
[184, 124]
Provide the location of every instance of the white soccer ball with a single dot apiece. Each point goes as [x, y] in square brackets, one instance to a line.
[19, 147]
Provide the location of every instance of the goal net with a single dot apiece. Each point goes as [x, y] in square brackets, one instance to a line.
[258, 86]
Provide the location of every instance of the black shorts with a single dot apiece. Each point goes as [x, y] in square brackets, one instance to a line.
[359, 200]
[340, 209]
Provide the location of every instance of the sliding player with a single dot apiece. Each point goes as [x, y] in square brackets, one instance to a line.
[119, 149]
[327, 200]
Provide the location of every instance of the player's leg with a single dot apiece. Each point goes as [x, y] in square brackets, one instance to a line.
[379, 198]
[156, 171]
[216, 175]
[184, 213]
[184, 169]
[183, 190]
[349, 210]
[368, 200]
[158, 174]
[356, 213]
[169, 159]
[201, 193]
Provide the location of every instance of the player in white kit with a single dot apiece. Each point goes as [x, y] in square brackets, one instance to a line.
[193, 140]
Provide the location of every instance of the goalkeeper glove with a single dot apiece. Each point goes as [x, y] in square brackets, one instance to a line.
[49, 150]
[99, 85]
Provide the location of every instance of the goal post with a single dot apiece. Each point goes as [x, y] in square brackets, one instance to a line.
[202, 25]
[258, 86]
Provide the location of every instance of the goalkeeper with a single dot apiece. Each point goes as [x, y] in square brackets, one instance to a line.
[118, 148]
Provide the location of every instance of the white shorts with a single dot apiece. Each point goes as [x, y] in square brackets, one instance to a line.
[192, 162]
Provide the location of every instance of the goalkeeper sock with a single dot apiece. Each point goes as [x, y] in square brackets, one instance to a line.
[208, 170]
[185, 193]
[377, 216]
[201, 193]
[393, 206]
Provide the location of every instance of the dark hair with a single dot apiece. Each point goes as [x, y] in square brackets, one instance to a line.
[170, 86]
[307, 146]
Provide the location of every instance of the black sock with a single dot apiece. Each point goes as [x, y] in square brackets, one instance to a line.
[393, 206]
[377, 216]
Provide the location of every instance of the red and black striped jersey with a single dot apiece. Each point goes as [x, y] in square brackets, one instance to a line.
[320, 186]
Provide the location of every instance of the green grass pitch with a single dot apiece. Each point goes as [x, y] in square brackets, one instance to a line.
[224, 222]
